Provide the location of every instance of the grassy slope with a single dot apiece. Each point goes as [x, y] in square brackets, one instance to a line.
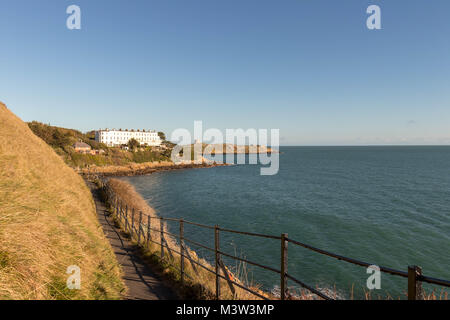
[47, 223]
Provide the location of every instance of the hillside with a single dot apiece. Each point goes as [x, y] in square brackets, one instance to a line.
[47, 223]
[62, 140]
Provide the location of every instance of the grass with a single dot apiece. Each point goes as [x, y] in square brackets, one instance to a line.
[199, 283]
[47, 223]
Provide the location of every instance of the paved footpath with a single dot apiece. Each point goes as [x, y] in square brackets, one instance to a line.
[141, 281]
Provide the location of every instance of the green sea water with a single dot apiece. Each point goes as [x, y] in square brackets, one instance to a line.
[388, 206]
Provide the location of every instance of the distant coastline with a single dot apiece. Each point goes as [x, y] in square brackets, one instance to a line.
[218, 149]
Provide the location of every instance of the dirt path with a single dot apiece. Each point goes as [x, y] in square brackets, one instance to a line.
[141, 281]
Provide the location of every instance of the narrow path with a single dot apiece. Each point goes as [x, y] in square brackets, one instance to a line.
[141, 281]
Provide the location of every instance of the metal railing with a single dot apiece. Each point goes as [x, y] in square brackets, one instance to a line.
[142, 230]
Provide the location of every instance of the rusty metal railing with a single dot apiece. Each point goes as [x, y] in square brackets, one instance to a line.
[141, 231]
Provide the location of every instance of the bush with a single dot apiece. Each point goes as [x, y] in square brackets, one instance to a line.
[148, 156]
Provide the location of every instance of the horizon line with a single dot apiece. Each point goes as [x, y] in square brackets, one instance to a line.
[367, 145]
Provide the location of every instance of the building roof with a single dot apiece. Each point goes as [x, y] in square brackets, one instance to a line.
[127, 130]
[81, 145]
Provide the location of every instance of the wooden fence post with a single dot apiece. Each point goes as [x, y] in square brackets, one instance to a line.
[132, 223]
[149, 222]
[139, 227]
[126, 217]
[182, 250]
[216, 248]
[161, 231]
[414, 286]
[284, 265]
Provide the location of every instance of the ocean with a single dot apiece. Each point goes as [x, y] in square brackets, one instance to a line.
[386, 205]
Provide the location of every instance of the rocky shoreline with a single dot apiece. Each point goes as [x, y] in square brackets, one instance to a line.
[143, 169]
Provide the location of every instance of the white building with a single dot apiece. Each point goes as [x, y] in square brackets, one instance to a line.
[114, 138]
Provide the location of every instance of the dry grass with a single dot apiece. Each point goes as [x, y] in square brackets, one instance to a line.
[435, 295]
[441, 295]
[199, 282]
[47, 223]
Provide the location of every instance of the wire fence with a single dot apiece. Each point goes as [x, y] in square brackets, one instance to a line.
[141, 229]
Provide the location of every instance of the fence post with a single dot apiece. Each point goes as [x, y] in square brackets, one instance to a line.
[216, 249]
[132, 223]
[284, 265]
[182, 250]
[414, 286]
[122, 212]
[161, 231]
[126, 217]
[139, 227]
[149, 221]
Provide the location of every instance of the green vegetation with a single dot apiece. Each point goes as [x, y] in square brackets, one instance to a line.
[62, 140]
[162, 136]
[149, 156]
[133, 144]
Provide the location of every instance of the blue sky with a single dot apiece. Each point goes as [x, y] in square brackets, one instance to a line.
[310, 68]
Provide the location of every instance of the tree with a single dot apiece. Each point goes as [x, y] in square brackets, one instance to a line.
[133, 144]
[162, 136]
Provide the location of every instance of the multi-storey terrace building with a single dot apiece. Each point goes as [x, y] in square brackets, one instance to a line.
[114, 138]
